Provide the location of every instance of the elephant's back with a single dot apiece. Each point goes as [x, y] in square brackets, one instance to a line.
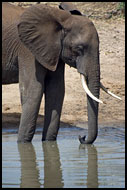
[10, 42]
[10, 13]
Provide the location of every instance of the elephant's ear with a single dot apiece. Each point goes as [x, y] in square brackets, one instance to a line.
[68, 6]
[40, 30]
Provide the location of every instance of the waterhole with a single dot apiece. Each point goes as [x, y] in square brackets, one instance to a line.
[64, 163]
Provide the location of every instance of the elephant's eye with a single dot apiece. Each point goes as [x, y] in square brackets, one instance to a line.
[78, 50]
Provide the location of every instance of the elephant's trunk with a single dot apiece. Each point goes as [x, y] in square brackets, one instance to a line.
[92, 106]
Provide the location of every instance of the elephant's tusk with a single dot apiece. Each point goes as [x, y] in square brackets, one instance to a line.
[84, 84]
[108, 92]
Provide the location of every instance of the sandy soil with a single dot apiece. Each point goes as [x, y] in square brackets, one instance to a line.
[112, 59]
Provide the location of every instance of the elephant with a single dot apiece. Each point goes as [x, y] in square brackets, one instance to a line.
[37, 42]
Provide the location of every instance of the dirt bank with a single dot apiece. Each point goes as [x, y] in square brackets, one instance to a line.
[112, 59]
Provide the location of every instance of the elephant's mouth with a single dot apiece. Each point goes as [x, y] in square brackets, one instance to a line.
[70, 61]
[88, 92]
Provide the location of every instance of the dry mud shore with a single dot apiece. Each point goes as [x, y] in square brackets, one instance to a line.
[112, 60]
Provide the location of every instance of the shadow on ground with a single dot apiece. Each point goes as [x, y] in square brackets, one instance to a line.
[12, 120]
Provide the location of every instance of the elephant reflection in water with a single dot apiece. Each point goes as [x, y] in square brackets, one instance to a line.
[53, 176]
[92, 172]
[30, 176]
[52, 166]
[29, 170]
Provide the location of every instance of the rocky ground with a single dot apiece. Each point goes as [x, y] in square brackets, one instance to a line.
[108, 18]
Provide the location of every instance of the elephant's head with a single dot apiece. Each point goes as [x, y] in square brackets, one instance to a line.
[50, 33]
[81, 50]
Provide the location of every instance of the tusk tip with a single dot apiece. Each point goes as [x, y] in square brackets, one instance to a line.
[108, 92]
[101, 102]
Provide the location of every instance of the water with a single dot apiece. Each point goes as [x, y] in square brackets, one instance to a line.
[65, 163]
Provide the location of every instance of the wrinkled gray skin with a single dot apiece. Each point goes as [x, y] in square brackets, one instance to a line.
[37, 42]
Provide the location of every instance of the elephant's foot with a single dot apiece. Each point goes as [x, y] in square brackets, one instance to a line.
[24, 141]
[49, 136]
[49, 139]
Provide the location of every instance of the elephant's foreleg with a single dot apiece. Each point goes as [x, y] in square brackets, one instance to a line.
[54, 95]
[30, 109]
[31, 83]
